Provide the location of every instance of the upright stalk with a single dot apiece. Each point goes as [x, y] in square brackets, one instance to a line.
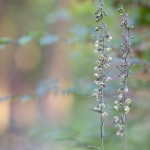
[124, 102]
[102, 132]
[102, 66]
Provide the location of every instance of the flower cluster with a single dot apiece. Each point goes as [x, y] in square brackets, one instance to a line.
[123, 101]
[103, 60]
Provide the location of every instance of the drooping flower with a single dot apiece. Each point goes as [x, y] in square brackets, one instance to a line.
[104, 114]
[101, 84]
[96, 75]
[109, 38]
[97, 45]
[109, 59]
[102, 105]
[116, 102]
[116, 107]
[97, 108]
[108, 78]
[96, 51]
[106, 66]
[127, 109]
[119, 126]
[119, 133]
[119, 91]
[123, 76]
[120, 96]
[128, 100]
[108, 49]
[126, 89]
[116, 118]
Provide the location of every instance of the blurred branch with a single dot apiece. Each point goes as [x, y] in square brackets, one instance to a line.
[44, 39]
[128, 2]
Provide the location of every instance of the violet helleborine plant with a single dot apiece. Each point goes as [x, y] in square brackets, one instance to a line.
[123, 102]
[101, 68]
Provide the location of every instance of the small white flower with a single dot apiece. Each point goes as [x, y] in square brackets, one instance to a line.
[109, 58]
[102, 105]
[96, 75]
[119, 133]
[96, 28]
[119, 126]
[119, 91]
[120, 96]
[116, 102]
[116, 118]
[96, 82]
[96, 51]
[109, 38]
[97, 42]
[99, 69]
[116, 107]
[108, 49]
[96, 108]
[97, 15]
[96, 45]
[122, 76]
[101, 56]
[128, 100]
[98, 62]
[108, 78]
[95, 94]
[127, 109]
[126, 90]
[104, 114]
[95, 68]
[101, 84]
[106, 66]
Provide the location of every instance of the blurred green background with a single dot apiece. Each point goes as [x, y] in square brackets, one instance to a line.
[46, 75]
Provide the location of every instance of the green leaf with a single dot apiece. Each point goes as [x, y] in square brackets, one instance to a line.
[5, 40]
[29, 37]
[35, 34]
[26, 98]
[24, 40]
[48, 39]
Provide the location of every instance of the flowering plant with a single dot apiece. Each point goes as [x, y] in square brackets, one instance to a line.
[123, 101]
[102, 66]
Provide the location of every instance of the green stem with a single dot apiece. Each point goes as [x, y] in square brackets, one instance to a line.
[125, 138]
[124, 131]
[102, 132]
